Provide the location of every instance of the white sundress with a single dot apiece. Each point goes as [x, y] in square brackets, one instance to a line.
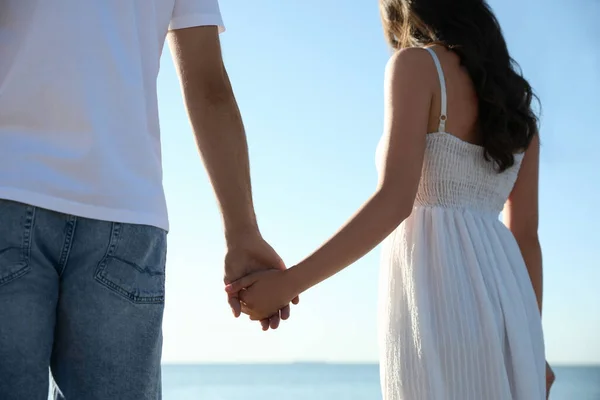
[458, 317]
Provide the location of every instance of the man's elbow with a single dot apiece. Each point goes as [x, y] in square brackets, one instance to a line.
[208, 91]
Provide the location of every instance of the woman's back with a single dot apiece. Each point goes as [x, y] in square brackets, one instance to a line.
[462, 102]
[455, 173]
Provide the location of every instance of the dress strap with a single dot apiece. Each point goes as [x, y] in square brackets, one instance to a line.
[443, 115]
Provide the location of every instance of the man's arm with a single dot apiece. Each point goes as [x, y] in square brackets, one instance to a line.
[216, 123]
[221, 139]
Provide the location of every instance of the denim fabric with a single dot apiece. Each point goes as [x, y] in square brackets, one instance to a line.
[84, 298]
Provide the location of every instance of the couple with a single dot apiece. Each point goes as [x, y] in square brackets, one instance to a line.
[83, 220]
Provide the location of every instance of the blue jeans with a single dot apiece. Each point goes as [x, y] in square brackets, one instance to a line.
[84, 298]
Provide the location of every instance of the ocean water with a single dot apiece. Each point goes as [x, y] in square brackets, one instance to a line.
[322, 382]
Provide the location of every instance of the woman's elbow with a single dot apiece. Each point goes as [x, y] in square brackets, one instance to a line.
[398, 204]
[404, 211]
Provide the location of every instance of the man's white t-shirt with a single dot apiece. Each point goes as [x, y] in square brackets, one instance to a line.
[79, 128]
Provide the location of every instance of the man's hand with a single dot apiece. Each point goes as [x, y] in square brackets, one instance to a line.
[247, 254]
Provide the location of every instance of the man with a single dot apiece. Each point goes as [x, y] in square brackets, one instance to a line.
[83, 218]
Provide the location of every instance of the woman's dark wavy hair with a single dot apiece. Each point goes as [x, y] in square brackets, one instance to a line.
[470, 29]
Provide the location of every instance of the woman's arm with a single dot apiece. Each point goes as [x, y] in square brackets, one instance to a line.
[521, 216]
[410, 80]
[409, 85]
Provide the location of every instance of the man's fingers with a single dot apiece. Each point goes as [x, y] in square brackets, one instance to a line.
[285, 312]
[274, 321]
[265, 324]
[236, 307]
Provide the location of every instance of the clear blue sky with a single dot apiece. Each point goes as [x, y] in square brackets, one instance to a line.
[308, 78]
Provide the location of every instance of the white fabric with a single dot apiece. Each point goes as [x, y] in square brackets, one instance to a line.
[79, 127]
[458, 316]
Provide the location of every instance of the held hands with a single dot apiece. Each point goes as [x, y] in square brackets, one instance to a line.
[263, 293]
[248, 254]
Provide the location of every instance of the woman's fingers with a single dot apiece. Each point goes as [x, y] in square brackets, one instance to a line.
[240, 284]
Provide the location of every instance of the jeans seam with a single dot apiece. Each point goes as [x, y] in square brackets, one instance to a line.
[112, 246]
[115, 236]
[27, 233]
[67, 244]
[25, 247]
[134, 299]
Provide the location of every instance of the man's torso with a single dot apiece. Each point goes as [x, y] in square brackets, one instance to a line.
[79, 129]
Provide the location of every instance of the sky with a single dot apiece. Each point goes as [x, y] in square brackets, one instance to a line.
[308, 77]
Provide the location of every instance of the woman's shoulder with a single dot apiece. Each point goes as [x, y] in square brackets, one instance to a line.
[414, 63]
[409, 56]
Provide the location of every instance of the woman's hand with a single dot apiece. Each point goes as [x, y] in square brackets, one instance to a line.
[550, 378]
[263, 293]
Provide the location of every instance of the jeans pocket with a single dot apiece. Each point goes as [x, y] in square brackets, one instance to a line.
[16, 222]
[134, 264]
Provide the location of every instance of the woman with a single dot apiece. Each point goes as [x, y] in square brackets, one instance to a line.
[461, 293]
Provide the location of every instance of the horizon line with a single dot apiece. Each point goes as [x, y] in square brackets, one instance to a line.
[330, 363]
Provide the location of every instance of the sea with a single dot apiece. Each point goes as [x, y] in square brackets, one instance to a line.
[315, 381]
